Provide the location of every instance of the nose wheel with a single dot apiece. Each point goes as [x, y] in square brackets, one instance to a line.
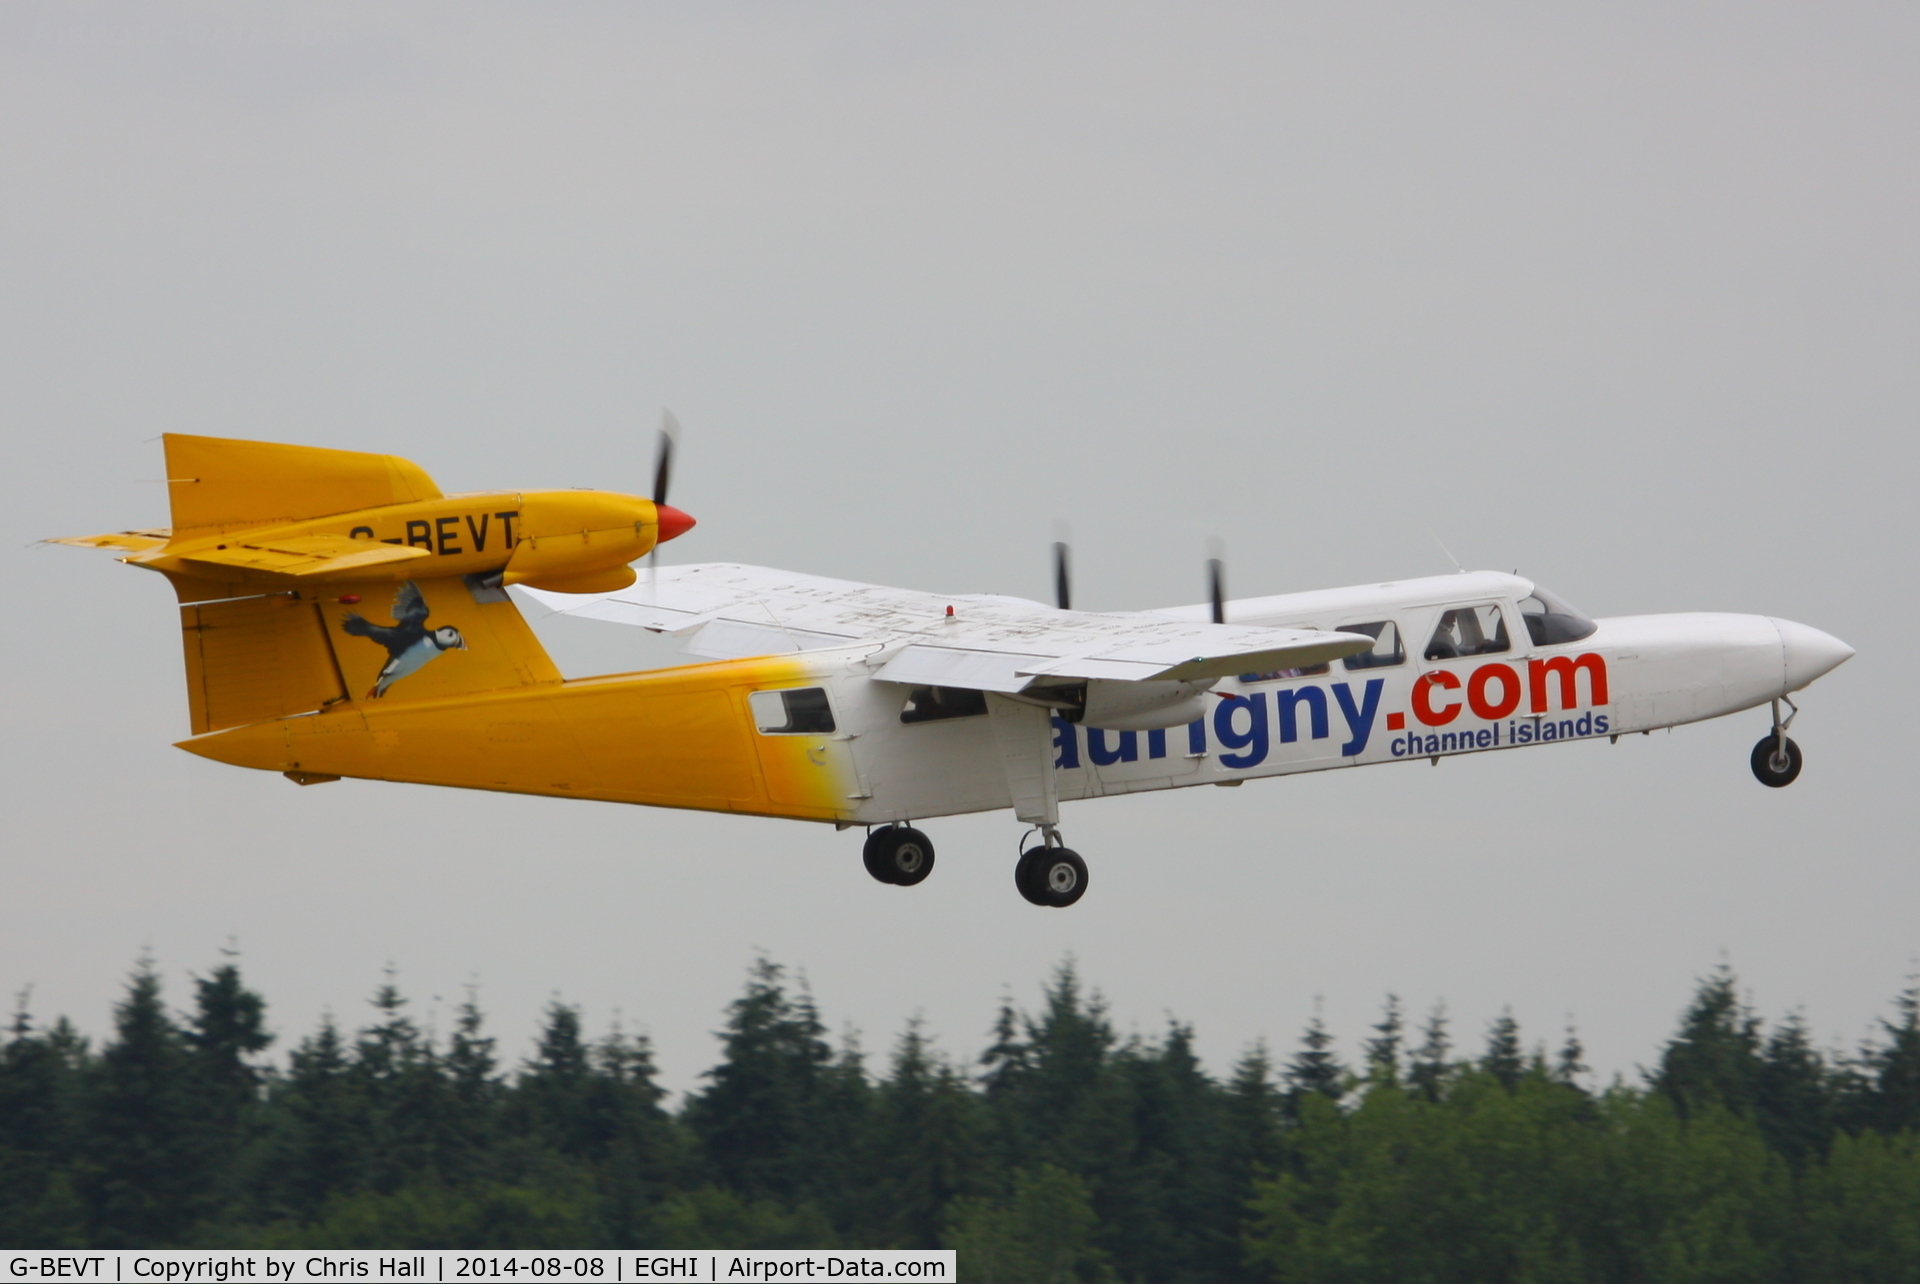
[1050, 874]
[1776, 759]
[899, 855]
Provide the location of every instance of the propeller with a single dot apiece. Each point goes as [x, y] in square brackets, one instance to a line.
[1062, 577]
[672, 521]
[663, 456]
[1217, 585]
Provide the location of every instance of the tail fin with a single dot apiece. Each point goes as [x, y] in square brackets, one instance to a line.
[218, 484]
[253, 659]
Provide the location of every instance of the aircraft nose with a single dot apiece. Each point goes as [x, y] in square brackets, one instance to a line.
[674, 523]
[1809, 652]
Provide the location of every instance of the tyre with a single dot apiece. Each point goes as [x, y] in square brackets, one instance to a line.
[903, 857]
[1023, 878]
[871, 854]
[1770, 767]
[1056, 877]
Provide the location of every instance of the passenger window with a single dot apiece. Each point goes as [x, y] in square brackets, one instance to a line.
[1386, 651]
[937, 704]
[1551, 621]
[1468, 630]
[800, 712]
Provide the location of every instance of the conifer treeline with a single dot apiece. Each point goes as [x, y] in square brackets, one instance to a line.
[1066, 1152]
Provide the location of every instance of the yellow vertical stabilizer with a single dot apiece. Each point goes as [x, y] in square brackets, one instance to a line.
[219, 484]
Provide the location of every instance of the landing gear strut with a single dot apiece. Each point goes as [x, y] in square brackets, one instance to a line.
[1776, 759]
[1051, 874]
[898, 854]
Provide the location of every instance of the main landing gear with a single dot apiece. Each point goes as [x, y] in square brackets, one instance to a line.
[1050, 874]
[1776, 759]
[898, 854]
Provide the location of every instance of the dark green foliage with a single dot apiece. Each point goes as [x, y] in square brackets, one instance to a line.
[40, 1132]
[1077, 1155]
[148, 1151]
[1316, 1068]
[1503, 1058]
[1427, 1075]
[770, 1112]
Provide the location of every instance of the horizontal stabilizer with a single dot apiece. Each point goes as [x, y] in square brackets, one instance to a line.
[127, 541]
[307, 556]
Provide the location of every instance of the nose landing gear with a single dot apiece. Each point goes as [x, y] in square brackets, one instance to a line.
[899, 855]
[1776, 759]
[1050, 874]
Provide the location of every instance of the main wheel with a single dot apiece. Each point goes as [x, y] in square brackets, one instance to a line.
[899, 854]
[1772, 768]
[1053, 876]
[870, 854]
[1023, 878]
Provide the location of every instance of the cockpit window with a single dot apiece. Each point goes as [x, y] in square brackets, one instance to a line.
[937, 704]
[1469, 630]
[800, 712]
[1386, 651]
[1551, 621]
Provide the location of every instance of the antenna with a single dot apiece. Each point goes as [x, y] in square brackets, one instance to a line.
[1444, 549]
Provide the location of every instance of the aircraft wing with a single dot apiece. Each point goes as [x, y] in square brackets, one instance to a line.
[987, 643]
[307, 556]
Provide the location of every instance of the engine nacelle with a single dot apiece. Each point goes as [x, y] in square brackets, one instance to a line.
[1143, 706]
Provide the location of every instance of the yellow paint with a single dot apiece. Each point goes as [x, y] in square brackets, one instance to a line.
[528, 536]
[256, 658]
[217, 484]
[130, 541]
[672, 738]
[275, 549]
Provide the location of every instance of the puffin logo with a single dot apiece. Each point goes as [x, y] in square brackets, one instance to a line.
[410, 644]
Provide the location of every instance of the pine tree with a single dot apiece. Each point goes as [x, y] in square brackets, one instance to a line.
[409, 1104]
[1383, 1050]
[474, 1089]
[1431, 1065]
[1504, 1059]
[40, 1128]
[924, 1146]
[639, 1161]
[324, 1131]
[227, 1027]
[1794, 1096]
[1568, 1066]
[1316, 1067]
[555, 1090]
[150, 1146]
[1715, 1056]
[1892, 1094]
[756, 1119]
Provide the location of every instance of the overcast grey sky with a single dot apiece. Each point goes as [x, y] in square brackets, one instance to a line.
[1623, 296]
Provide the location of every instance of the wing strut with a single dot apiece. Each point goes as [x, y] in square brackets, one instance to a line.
[1024, 733]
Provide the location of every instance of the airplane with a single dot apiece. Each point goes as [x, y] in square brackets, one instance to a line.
[343, 618]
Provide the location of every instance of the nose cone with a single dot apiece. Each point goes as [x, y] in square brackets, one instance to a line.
[1809, 652]
[674, 523]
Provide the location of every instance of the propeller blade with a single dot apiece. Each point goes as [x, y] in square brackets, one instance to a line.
[1217, 588]
[1062, 577]
[663, 456]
